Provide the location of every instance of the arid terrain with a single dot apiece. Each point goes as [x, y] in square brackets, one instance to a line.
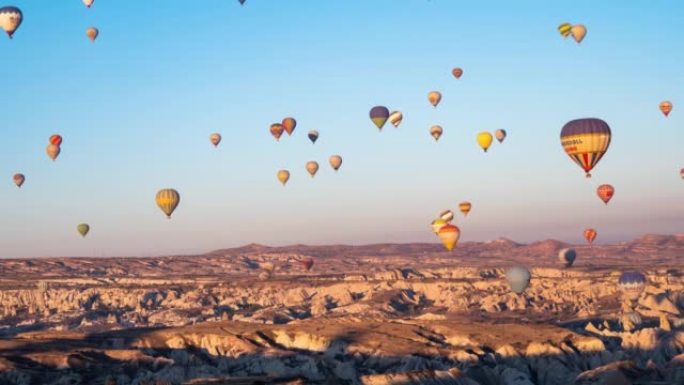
[378, 314]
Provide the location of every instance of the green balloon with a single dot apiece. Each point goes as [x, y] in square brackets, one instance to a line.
[83, 229]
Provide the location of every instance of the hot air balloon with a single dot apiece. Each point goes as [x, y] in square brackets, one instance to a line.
[590, 235]
[92, 33]
[632, 284]
[10, 19]
[312, 167]
[83, 229]
[605, 192]
[567, 256]
[449, 235]
[465, 208]
[500, 135]
[335, 162]
[665, 107]
[434, 97]
[277, 130]
[19, 179]
[283, 176]
[167, 199]
[55, 139]
[518, 278]
[307, 263]
[379, 115]
[564, 29]
[437, 224]
[395, 118]
[586, 141]
[457, 72]
[436, 132]
[242, 2]
[446, 215]
[88, 3]
[289, 125]
[313, 136]
[578, 32]
[215, 139]
[484, 139]
[53, 151]
[681, 173]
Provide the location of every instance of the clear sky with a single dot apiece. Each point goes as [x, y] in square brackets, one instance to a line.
[136, 107]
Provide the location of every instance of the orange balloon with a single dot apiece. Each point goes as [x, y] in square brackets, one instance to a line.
[289, 125]
[465, 207]
[457, 72]
[665, 107]
[605, 192]
[277, 130]
[449, 235]
[590, 235]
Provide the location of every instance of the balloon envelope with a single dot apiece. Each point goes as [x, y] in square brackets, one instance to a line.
[313, 136]
[312, 167]
[681, 173]
[379, 115]
[83, 229]
[395, 118]
[665, 107]
[586, 141]
[605, 192]
[10, 19]
[564, 29]
[289, 125]
[500, 135]
[449, 235]
[590, 235]
[55, 139]
[19, 179]
[632, 284]
[434, 97]
[53, 151]
[277, 130]
[437, 224]
[446, 215]
[465, 207]
[436, 131]
[215, 139]
[457, 72]
[167, 199]
[518, 278]
[92, 33]
[484, 139]
[88, 3]
[283, 176]
[567, 256]
[335, 162]
[307, 263]
[578, 32]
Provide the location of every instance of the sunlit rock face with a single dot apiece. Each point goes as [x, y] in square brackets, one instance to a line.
[379, 314]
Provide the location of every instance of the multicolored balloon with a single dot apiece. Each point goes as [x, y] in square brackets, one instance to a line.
[449, 235]
[215, 139]
[335, 162]
[567, 256]
[53, 151]
[395, 118]
[484, 139]
[283, 176]
[437, 224]
[500, 135]
[632, 284]
[55, 139]
[518, 278]
[564, 29]
[277, 130]
[590, 235]
[379, 115]
[10, 19]
[578, 32]
[167, 199]
[92, 33]
[313, 136]
[83, 229]
[436, 131]
[289, 125]
[19, 179]
[586, 141]
[312, 167]
[605, 192]
[665, 107]
[465, 207]
[434, 97]
[457, 72]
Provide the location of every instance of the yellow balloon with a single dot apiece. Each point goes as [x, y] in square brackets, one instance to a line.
[449, 235]
[167, 199]
[283, 176]
[437, 224]
[484, 139]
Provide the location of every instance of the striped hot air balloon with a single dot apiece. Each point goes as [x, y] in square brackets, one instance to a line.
[436, 131]
[564, 29]
[449, 235]
[632, 284]
[10, 19]
[586, 141]
[167, 199]
[605, 192]
[395, 118]
[590, 235]
[379, 115]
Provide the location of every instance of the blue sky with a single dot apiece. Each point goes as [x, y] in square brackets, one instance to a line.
[136, 107]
